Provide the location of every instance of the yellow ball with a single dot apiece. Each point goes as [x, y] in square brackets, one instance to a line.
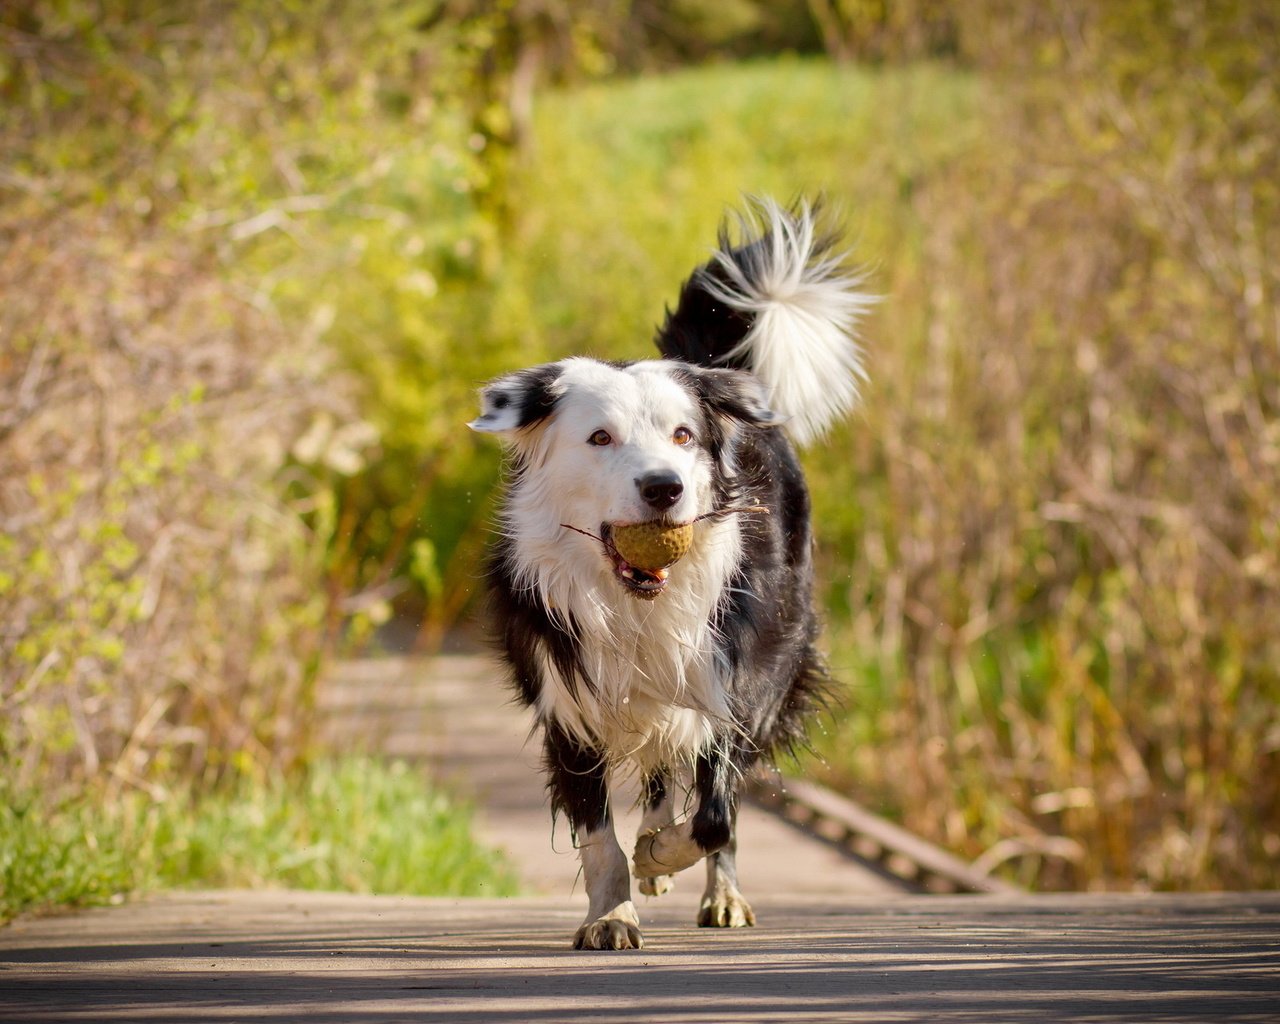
[652, 545]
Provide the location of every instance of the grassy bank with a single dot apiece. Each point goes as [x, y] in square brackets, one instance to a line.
[351, 825]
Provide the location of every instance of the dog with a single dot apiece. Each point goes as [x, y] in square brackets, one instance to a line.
[689, 673]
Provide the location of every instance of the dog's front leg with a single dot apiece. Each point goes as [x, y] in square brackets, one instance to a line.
[578, 780]
[668, 849]
[612, 921]
[659, 813]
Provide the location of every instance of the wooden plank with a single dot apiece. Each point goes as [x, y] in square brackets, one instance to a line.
[902, 852]
[211, 958]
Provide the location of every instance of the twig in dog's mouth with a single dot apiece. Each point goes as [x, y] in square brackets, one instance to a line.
[585, 533]
[718, 513]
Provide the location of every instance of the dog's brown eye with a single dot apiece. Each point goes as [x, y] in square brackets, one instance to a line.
[683, 435]
[600, 438]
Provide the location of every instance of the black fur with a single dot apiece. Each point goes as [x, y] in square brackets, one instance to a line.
[577, 781]
[526, 627]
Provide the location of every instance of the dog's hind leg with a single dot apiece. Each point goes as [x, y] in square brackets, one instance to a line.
[578, 781]
[715, 825]
[664, 850]
[723, 906]
[659, 812]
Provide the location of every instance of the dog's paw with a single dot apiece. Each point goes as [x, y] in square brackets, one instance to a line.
[664, 851]
[656, 885]
[618, 929]
[725, 908]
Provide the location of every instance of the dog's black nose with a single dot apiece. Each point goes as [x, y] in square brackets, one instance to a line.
[660, 489]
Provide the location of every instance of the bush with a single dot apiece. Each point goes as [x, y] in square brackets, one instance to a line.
[1067, 495]
[158, 597]
[224, 235]
[156, 593]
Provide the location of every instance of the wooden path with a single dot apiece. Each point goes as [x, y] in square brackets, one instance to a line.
[309, 957]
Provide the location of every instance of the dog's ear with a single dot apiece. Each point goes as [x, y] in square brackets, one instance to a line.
[518, 400]
[736, 395]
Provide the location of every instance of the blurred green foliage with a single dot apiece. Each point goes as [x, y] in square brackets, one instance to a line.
[255, 259]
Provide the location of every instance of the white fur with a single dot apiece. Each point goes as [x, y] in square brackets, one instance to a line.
[803, 342]
[659, 684]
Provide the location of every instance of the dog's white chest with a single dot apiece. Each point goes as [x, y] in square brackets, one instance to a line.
[656, 684]
[651, 703]
[653, 684]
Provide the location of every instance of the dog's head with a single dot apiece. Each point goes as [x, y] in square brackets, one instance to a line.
[597, 445]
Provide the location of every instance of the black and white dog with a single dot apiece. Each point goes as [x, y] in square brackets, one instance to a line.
[687, 674]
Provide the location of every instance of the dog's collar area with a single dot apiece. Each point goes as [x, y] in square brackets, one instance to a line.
[643, 583]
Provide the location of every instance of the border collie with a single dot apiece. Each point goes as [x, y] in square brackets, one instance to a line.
[688, 674]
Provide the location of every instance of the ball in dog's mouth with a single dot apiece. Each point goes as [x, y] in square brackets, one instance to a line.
[642, 552]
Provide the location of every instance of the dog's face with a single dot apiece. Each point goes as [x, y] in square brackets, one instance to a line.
[598, 445]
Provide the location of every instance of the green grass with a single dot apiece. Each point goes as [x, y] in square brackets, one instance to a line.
[354, 825]
[628, 180]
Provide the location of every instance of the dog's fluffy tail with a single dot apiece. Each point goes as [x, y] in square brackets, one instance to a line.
[782, 304]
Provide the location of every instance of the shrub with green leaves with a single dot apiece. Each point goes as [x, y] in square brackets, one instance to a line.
[220, 230]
